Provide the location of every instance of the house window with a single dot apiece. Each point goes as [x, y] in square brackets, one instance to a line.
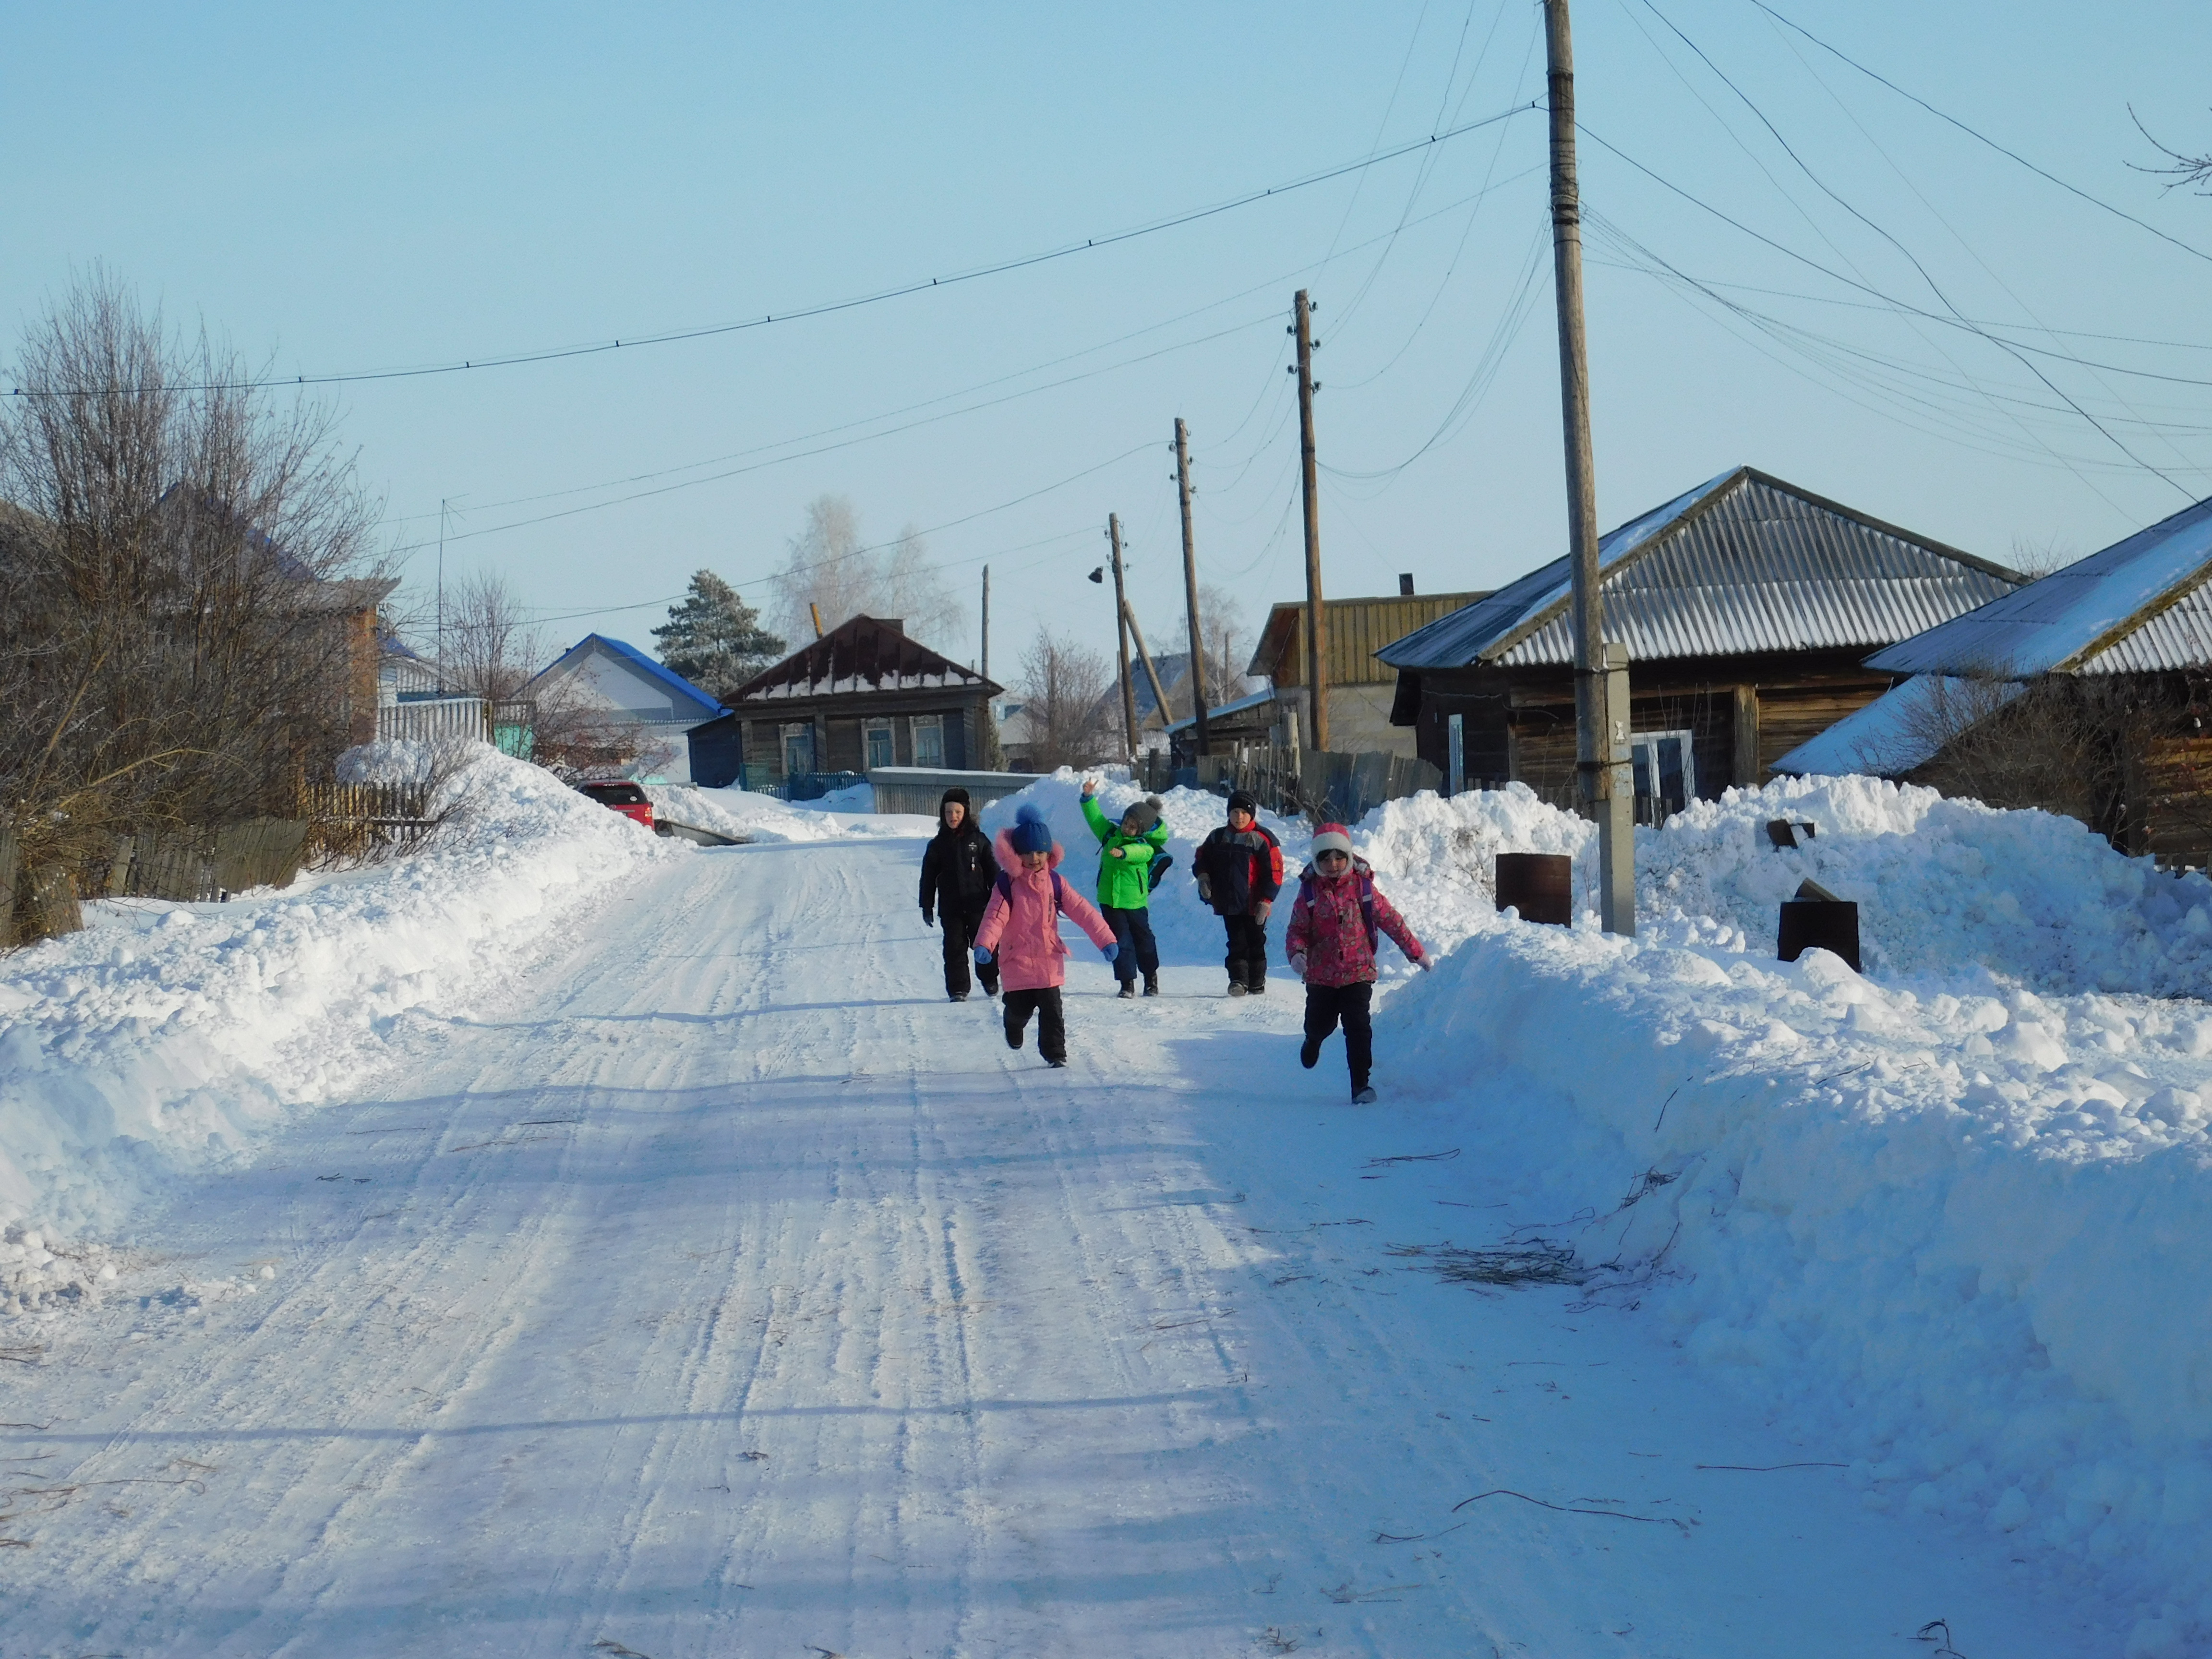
[929, 739]
[880, 745]
[1666, 773]
[798, 749]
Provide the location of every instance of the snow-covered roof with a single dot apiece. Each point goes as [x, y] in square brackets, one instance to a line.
[1236, 708]
[687, 702]
[861, 654]
[1742, 564]
[1898, 731]
[2137, 606]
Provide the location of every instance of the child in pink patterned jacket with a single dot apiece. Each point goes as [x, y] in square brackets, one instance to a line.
[1335, 926]
[1020, 930]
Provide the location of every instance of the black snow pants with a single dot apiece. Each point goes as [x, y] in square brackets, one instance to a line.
[1327, 1004]
[1052, 1029]
[960, 927]
[1247, 950]
[1140, 953]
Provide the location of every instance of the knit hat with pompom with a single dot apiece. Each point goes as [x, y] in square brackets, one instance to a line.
[1031, 833]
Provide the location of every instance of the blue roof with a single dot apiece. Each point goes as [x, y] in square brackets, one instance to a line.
[660, 672]
[2136, 606]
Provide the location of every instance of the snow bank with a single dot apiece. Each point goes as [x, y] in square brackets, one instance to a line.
[763, 817]
[1954, 1218]
[1957, 1214]
[166, 1036]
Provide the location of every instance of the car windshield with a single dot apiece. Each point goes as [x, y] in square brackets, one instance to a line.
[616, 794]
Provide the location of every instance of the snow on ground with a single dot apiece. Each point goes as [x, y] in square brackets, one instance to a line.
[1067, 1363]
[165, 1036]
[1954, 1213]
[746, 816]
[725, 1290]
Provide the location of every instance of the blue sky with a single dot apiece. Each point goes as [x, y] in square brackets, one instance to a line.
[343, 190]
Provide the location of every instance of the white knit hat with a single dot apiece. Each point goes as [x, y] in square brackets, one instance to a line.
[1332, 838]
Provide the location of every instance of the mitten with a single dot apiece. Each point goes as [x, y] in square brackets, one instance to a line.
[928, 919]
[983, 957]
[1111, 952]
[1298, 964]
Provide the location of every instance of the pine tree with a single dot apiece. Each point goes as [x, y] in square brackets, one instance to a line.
[715, 638]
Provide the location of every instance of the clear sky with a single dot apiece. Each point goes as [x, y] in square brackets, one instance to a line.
[1941, 338]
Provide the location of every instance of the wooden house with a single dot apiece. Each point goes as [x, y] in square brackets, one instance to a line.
[1747, 606]
[861, 696]
[1362, 690]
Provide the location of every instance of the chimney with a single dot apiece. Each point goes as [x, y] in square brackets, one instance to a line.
[1406, 585]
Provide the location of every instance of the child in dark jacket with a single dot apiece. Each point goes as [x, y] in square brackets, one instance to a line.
[1334, 925]
[957, 871]
[1239, 870]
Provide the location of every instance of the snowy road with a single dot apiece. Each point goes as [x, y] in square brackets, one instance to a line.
[734, 1294]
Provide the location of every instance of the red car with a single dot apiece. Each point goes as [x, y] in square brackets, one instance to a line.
[626, 798]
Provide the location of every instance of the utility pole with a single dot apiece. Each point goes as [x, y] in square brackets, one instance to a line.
[1316, 618]
[1159, 693]
[1121, 637]
[1602, 713]
[987, 621]
[442, 597]
[1190, 591]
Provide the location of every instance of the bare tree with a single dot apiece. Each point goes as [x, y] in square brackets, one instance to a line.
[2180, 170]
[2035, 559]
[181, 648]
[1227, 644]
[492, 648]
[828, 567]
[1066, 702]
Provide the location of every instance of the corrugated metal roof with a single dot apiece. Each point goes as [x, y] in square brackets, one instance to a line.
[2132, 607]
[1898, 730]
[1744, 563]
[1358, 628]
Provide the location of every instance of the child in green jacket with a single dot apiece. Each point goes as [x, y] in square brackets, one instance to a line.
[1125, 884]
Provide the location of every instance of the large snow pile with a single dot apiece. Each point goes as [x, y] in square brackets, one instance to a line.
[742, 814]
[168, 1035]
[1954, 1218]
[1957, 1214]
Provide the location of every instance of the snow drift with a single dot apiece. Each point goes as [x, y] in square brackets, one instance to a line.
[170, 1035]
[1956, 1213]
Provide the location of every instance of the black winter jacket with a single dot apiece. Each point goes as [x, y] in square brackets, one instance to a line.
[1235, 869]
[957, 870]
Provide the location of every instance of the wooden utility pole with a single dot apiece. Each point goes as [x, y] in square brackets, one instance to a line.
[1121, 637]
[1316, 618]
[987, 621]
[1159, 692]
[1190, 590]
[1601, 715]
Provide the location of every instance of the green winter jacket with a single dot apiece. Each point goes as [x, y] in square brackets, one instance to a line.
[1125, 862]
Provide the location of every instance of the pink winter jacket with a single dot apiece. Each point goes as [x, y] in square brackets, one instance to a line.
[1329, 930]
[1025, 934]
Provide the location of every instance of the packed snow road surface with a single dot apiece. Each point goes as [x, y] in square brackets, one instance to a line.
[733, 1293]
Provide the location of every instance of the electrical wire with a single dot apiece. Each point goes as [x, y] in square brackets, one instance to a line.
[1979, 136]
[821, 308]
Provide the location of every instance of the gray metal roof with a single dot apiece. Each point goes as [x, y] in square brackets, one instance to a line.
[1744, 563]
[2137, 606]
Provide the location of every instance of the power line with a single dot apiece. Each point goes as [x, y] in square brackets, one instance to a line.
[823, 308]
[1981, 137]
[2009, 348]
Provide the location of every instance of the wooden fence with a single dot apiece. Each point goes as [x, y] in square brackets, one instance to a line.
[1320, 784]
[190, 864]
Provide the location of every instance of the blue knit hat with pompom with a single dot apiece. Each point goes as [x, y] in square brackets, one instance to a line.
[1031, 833]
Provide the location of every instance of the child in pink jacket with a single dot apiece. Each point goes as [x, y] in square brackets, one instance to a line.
[1333, 929]
[1021, 931]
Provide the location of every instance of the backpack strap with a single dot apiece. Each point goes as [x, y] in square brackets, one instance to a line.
[1006, 887]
